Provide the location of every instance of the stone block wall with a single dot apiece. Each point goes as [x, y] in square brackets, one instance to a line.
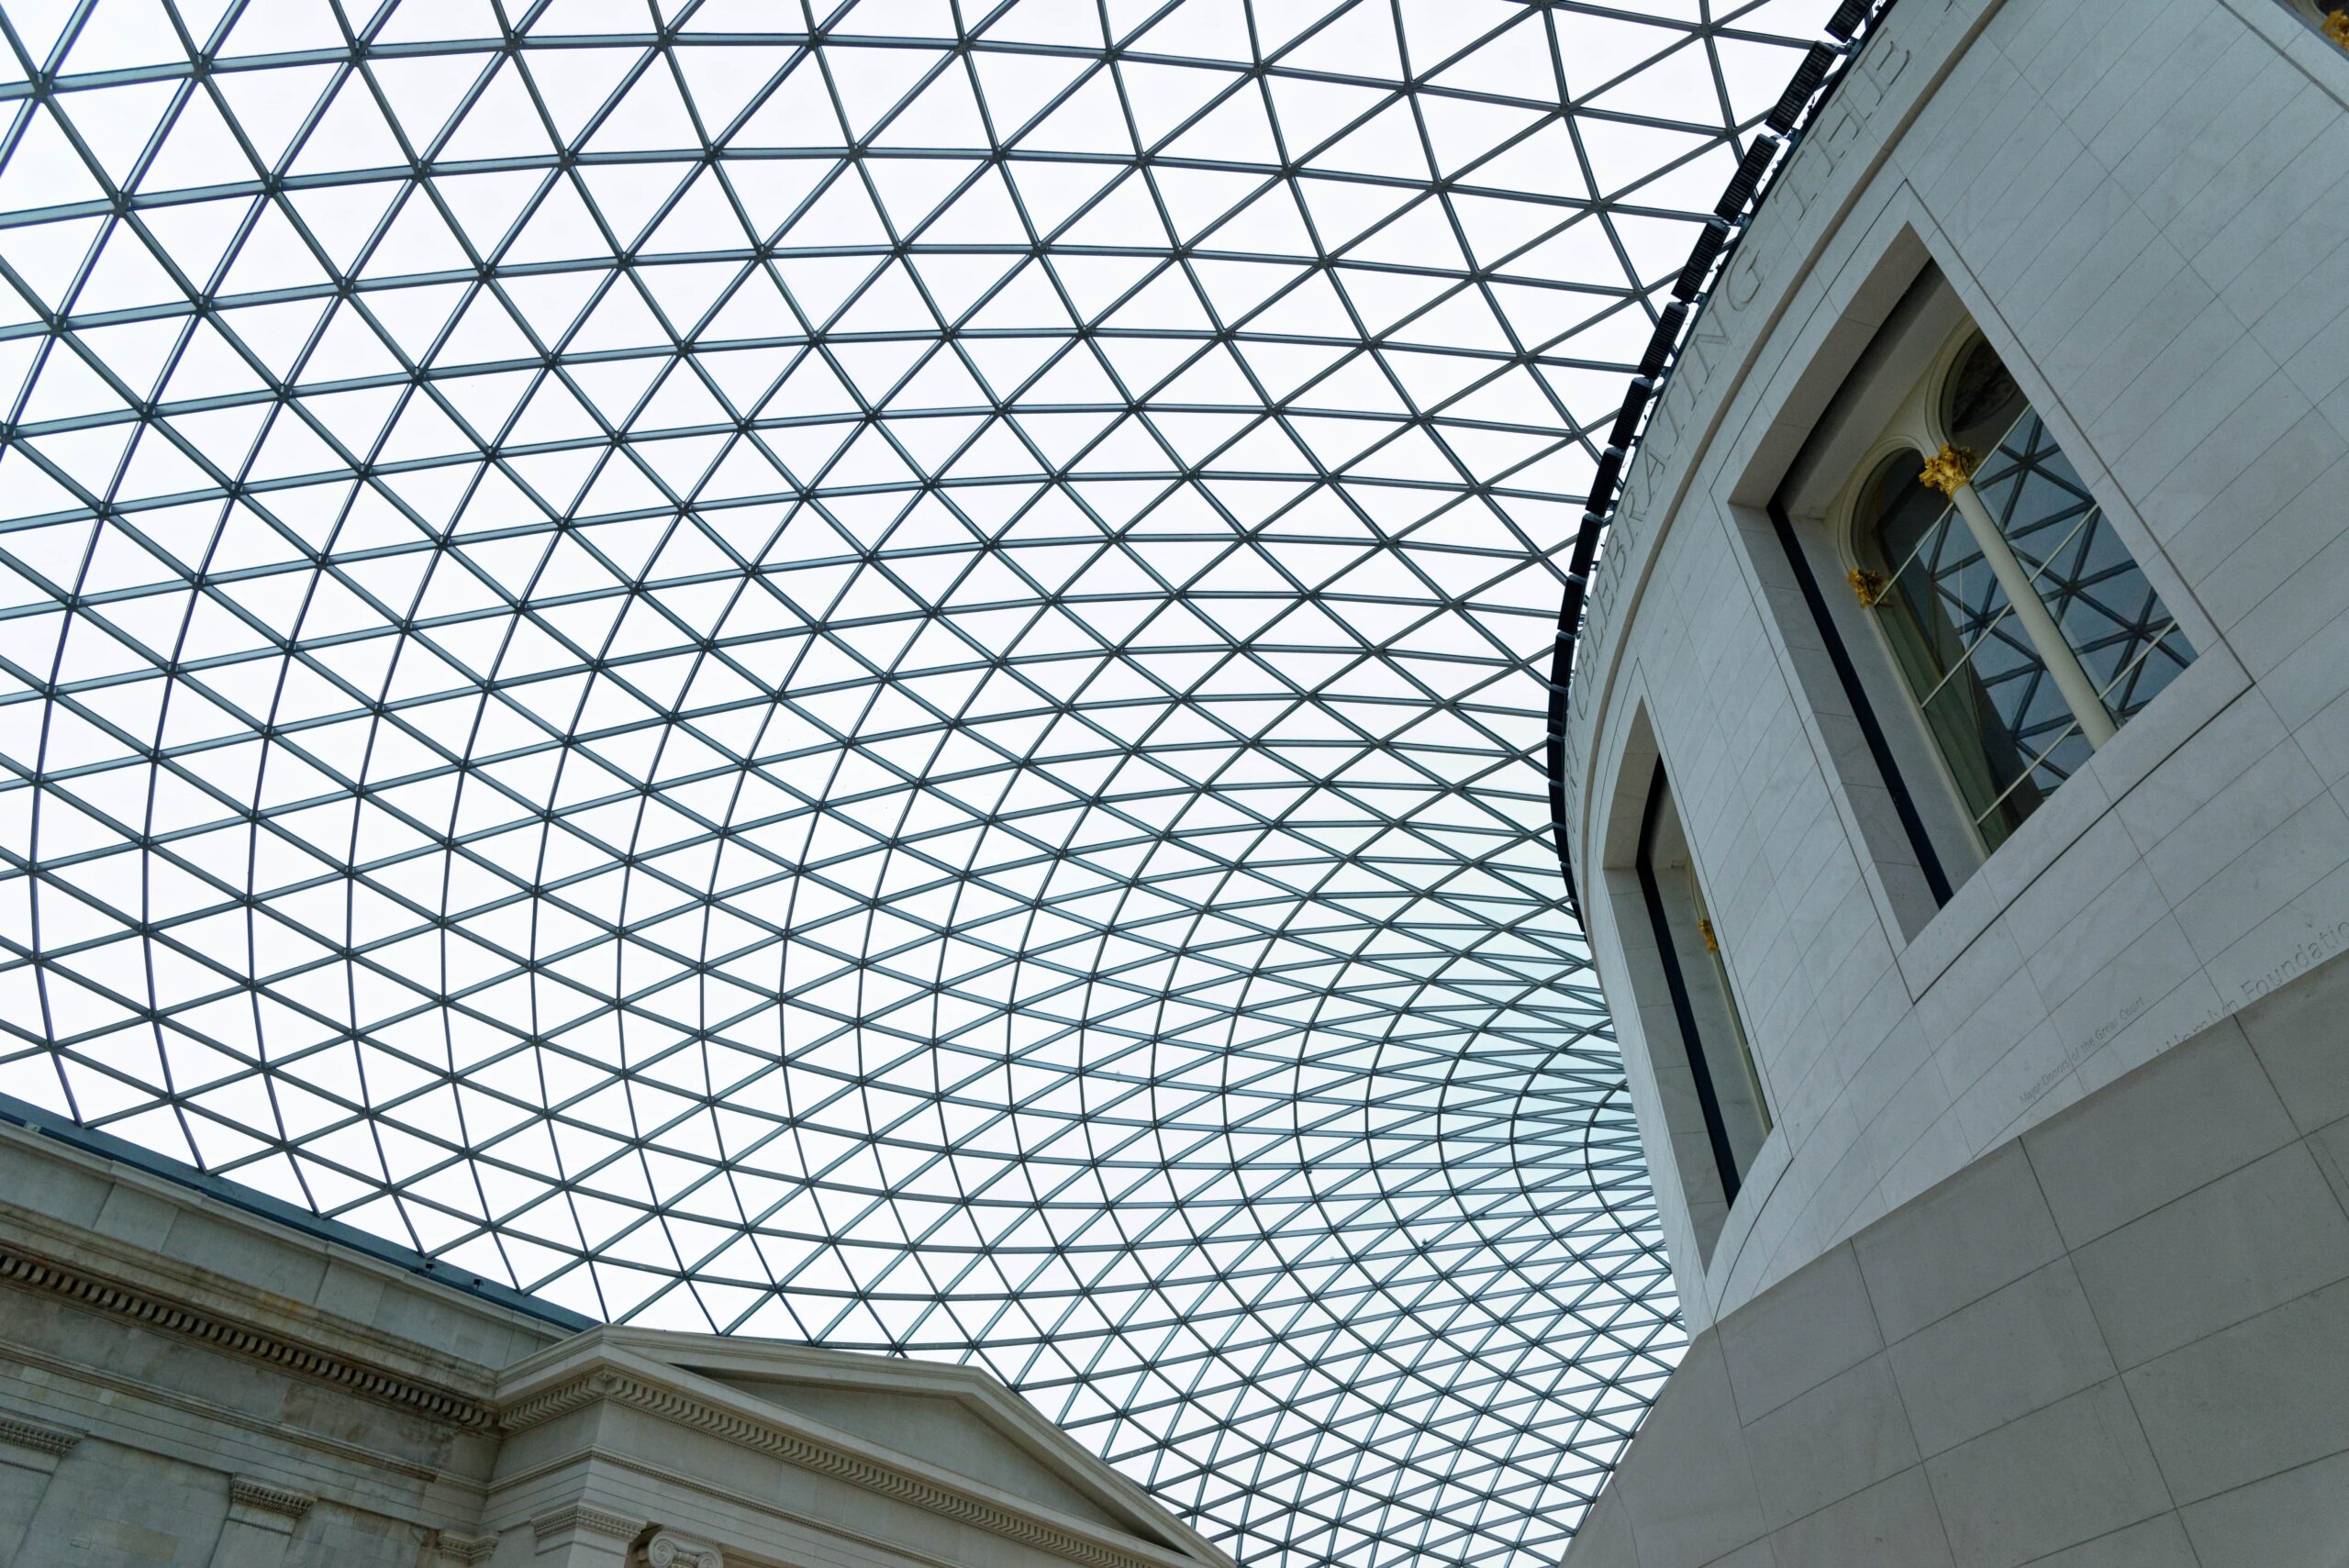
[2120, 1340]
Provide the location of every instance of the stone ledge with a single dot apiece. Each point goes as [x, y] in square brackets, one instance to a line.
[53, 1440]
[779, 1441]
[667, 1549]
[23, 1269]
[456, 1547]
[559, 1526]
[259, 1496]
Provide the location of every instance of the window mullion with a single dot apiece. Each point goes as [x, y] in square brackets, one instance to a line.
[1952, 474]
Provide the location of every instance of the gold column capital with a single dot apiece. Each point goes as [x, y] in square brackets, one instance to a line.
[1948, 469]
[1868, 585]
[2336, 28]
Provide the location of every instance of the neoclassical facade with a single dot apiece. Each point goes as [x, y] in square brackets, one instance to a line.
[1956, 776]
[188, 1382]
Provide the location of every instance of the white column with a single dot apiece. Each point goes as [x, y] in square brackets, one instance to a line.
[453, 1549]
[1952, 473]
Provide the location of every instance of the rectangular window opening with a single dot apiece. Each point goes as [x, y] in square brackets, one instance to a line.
[1727, 1086]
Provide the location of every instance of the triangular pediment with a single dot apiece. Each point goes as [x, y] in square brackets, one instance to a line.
[949, 1431]
[940, 1430]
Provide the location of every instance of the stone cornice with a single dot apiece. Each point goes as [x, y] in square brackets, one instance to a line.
[575, 1518]
[453, 1546]
[33, 1435]
[253, 1494]
[23, 1269]
[779, 1440]
[667, 1549]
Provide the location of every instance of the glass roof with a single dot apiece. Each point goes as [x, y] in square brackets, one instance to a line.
[867, 674]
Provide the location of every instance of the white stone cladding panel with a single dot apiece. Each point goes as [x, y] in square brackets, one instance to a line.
[2135, 200]
[2118, 1340]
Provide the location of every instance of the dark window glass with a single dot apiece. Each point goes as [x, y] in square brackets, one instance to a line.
[1728, 1085]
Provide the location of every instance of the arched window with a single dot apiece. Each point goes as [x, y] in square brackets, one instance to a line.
[2331, 20]
[2023, 628]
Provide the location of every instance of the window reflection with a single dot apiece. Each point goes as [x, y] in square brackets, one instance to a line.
[2016, 694]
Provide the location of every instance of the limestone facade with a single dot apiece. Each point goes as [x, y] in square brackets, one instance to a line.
[2045, 1257]
[186, 1382]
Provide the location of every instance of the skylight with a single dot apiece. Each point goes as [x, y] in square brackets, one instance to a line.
[875, 682]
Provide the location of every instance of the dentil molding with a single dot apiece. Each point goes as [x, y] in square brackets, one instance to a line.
[774, 1438]
[152, 1309]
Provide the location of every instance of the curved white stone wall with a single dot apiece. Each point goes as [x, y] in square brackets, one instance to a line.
[2120, 1341]
[2142, 205]
[2047, 1260]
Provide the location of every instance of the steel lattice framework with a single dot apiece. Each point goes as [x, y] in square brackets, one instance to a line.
[869, 676]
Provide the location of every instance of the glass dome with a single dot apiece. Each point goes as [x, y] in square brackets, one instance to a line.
[870, 675]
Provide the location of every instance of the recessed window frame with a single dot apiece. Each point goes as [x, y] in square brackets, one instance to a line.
[1731, 1097]
[1917, 431]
